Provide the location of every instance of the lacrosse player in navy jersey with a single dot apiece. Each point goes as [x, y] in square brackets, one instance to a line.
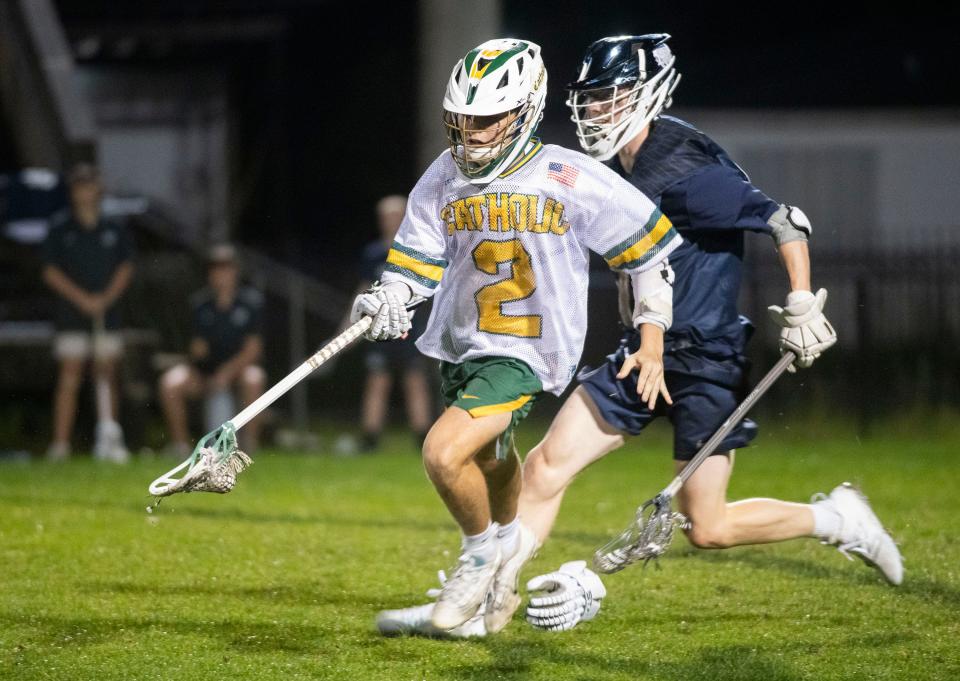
[623, 85]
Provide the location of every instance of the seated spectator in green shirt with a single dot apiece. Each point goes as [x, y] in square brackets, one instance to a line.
[225, 347]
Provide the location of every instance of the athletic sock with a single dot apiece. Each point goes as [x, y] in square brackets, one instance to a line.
[509, 535]
[483, 545]
[827, 523]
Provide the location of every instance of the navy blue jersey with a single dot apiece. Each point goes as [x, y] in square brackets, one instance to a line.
[225, 329]
[710, 201]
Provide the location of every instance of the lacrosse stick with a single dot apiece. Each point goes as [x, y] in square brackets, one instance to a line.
[217, 460]
[651, 532]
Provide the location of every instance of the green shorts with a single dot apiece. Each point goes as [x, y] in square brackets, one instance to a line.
[491, 385]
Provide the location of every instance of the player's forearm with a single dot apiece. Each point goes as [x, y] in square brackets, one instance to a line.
[651, 338]
[795, 256]
[119, 283]
[62, 285]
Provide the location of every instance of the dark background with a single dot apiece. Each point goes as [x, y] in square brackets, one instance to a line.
[331, 99]
[323, 104]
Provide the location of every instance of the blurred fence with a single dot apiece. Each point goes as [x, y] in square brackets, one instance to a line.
[897, 316]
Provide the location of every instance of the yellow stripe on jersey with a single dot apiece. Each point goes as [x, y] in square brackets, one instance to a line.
[489, 409]
[421, 269]
[639, 249]
[523, 161]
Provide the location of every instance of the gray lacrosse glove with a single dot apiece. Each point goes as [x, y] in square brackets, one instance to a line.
[806, 331]
[570, 595]
[386, 305]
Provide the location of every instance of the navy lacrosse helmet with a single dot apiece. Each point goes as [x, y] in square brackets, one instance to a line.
[623, 83]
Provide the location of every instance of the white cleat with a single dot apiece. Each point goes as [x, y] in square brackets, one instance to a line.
[861, 532]
[463, 594]
[415, 621]
[503, 599]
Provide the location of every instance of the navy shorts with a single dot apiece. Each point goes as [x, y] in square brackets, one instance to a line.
[705, 391]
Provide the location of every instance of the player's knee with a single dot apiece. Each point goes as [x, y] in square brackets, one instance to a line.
[707, 535]
[438, 457]
[542, 475]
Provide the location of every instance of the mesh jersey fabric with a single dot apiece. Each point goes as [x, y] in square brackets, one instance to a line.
[508, 262]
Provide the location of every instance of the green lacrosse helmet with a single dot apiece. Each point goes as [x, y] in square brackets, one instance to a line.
[493, 104]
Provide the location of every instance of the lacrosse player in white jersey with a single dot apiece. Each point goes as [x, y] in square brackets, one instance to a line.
[499, 230]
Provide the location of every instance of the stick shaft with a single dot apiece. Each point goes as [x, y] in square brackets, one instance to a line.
[736, 417]
[313, 363]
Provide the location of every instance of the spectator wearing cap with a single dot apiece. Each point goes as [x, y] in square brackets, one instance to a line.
[401, 357]
[225, 347]
[88, 262]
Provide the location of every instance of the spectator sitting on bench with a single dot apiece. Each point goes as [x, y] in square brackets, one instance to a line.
[224, 349]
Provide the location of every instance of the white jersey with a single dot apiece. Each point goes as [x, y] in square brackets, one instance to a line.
[509, 261]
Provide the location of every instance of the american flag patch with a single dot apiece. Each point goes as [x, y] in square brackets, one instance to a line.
[562, 173]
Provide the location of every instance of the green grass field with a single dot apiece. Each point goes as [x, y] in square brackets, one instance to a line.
[281, 579]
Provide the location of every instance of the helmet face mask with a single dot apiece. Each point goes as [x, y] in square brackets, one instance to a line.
[477, 142]
[494, 101]
[623, 84]
[599, 112]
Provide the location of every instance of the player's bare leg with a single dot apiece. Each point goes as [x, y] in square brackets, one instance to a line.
[503, 483]
[717, 524]
[843, 518]
[253, 381]
[577, 437]
[450, 456]
[65, 405]
[177, 385]
[376, 396]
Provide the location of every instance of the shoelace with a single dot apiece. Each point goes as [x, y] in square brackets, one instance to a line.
[861, 547]
[459, 582]
[435, 592]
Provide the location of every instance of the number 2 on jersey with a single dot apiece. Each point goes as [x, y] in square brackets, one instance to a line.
[488, 256]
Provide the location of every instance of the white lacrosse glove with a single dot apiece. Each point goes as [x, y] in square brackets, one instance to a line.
[571, 595]
[386, 304]
[806, 331]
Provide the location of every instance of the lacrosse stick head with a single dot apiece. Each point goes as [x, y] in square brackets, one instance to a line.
[212, 467]
[648, 537]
